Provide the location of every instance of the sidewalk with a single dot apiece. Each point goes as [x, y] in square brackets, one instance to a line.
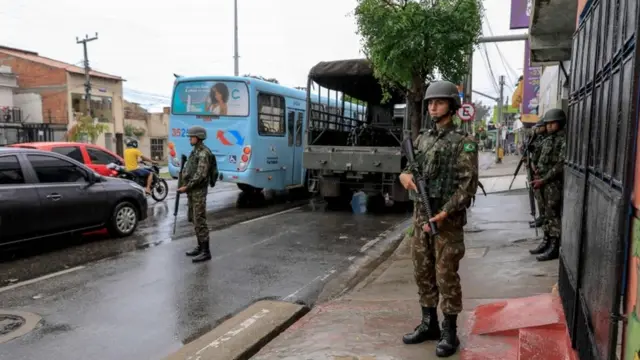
[368, 322]
[506, 168]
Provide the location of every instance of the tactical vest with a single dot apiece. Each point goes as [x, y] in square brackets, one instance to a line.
[438, 160]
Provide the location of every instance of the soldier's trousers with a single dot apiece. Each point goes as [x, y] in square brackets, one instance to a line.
[537, 194]
[197, 213]
[552, 195]
[436, 261]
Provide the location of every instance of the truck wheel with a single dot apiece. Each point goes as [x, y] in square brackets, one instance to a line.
[248, 189]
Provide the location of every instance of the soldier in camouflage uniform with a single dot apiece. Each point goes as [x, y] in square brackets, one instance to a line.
[195, 178]
[449, 161]
[549, 178]
[534, 154]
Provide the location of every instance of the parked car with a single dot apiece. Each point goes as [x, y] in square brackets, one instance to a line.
[93, 156]
[44, 194]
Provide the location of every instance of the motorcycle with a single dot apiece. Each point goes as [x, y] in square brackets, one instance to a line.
[159, 186]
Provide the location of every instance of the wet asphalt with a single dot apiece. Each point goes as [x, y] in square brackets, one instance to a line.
[141, 298]
[145, 302]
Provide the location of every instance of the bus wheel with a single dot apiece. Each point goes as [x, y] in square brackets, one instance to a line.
[248, 189]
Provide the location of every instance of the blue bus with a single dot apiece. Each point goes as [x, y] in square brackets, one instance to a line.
[254, 128]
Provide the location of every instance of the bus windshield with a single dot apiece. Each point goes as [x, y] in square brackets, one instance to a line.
[222, 98]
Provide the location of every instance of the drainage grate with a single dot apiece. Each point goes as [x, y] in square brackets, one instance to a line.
[10, 323]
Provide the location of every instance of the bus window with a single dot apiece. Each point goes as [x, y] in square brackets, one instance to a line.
[299, 130]
[290, 120]
[271, 115]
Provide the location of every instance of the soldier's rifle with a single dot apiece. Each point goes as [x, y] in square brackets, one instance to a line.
[421, 184]
[526, 159]
[183, 160]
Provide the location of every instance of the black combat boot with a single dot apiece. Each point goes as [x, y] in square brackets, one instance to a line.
[196, 250]
[429, 329]
[543, 246]
[449, 342]
[204, 255]
[553, 252]
[536, 223]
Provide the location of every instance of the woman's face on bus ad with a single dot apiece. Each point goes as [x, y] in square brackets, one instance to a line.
[218, 96]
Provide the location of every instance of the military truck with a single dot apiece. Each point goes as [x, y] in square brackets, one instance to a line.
[349, 149]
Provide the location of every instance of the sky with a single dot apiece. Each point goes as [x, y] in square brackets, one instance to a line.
[147, 41]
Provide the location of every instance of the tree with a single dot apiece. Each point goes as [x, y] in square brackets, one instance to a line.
[407, 41]
[85, 127]
[273, 80]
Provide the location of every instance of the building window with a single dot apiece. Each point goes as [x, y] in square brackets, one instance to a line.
[271, 115]
[101, 106]
[157, 149]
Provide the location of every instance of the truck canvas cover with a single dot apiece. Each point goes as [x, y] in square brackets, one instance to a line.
[353, 77]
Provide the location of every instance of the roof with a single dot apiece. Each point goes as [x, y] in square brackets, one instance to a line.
[35, 57]
[353, 77]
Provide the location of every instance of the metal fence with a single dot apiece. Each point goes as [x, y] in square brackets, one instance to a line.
[598, 175]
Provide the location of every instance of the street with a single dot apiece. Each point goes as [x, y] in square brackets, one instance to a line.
[148, 303]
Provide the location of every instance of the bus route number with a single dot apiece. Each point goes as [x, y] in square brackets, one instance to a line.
[176, 132]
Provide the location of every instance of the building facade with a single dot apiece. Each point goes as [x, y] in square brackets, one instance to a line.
[60, 88]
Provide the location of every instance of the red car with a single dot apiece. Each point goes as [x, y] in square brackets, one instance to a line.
[93, 156]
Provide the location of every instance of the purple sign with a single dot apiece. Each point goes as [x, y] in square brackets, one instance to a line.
[530, 87]
[520, 13]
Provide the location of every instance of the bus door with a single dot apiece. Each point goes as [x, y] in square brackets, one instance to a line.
[295, 118]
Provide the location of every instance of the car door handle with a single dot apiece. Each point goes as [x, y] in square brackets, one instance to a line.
[54, 197]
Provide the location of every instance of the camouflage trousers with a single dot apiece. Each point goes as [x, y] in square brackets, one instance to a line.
[436, 261]
[197, 213]
[537, 194]
[552, 195]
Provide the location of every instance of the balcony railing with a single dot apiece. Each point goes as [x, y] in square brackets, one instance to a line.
[10, 114]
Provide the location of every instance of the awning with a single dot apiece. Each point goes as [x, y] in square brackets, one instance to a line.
[553, 23]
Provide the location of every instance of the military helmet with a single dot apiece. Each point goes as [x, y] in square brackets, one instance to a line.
[539, 123]
[444, 90]
[555, 115]
[197, 131]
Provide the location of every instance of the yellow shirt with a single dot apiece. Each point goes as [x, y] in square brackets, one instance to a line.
[131, 156]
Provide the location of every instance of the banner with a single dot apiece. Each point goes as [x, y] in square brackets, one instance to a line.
[222, 98]
[520, 14]
[530, 88]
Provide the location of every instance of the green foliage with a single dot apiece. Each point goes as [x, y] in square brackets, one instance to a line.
[131, 131]
[273, 80]
[408, 41]
[85, 127]
[347, 98]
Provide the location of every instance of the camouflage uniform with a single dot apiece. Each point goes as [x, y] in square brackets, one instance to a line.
[196, 179]
[534, 155]
[448, 159]
[550, 167]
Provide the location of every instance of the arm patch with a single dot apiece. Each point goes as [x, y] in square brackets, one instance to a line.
[469, 147]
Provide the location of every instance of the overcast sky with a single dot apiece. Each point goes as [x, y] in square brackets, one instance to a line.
[146, 41]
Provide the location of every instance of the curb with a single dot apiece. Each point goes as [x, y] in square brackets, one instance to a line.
[361, 268]
[243, 335]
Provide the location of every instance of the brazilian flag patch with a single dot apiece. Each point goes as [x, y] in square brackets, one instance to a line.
[469, 147]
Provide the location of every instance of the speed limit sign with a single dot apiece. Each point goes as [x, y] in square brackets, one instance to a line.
[466, 112]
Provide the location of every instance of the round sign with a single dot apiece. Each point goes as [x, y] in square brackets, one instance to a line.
[466, 112]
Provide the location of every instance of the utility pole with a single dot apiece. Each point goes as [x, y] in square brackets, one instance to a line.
[499, 142]
[87, 77]
[236, 57]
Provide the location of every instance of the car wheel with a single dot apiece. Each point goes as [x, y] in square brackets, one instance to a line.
[124, 220]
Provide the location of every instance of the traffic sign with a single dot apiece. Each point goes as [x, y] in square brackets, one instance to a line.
[466, 112]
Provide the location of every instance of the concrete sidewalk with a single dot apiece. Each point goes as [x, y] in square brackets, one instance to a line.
[368, 322]
[506, 168]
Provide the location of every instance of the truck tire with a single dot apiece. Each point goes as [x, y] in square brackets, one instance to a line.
[248, 189]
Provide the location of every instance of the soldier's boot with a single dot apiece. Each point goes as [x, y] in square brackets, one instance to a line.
[429, 329]
[195, 251]
[543, 246]
[552, 253]
[205, 255]
[536, 223]
[449, 342]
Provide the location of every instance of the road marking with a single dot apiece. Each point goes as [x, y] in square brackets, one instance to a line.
[45, 277]
[369, 244]
[231, 333]
[323, 277]
[270, 215]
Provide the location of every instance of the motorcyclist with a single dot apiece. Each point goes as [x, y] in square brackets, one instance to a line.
[131, 157]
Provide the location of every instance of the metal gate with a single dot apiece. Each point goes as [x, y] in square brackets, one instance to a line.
[598, 180]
